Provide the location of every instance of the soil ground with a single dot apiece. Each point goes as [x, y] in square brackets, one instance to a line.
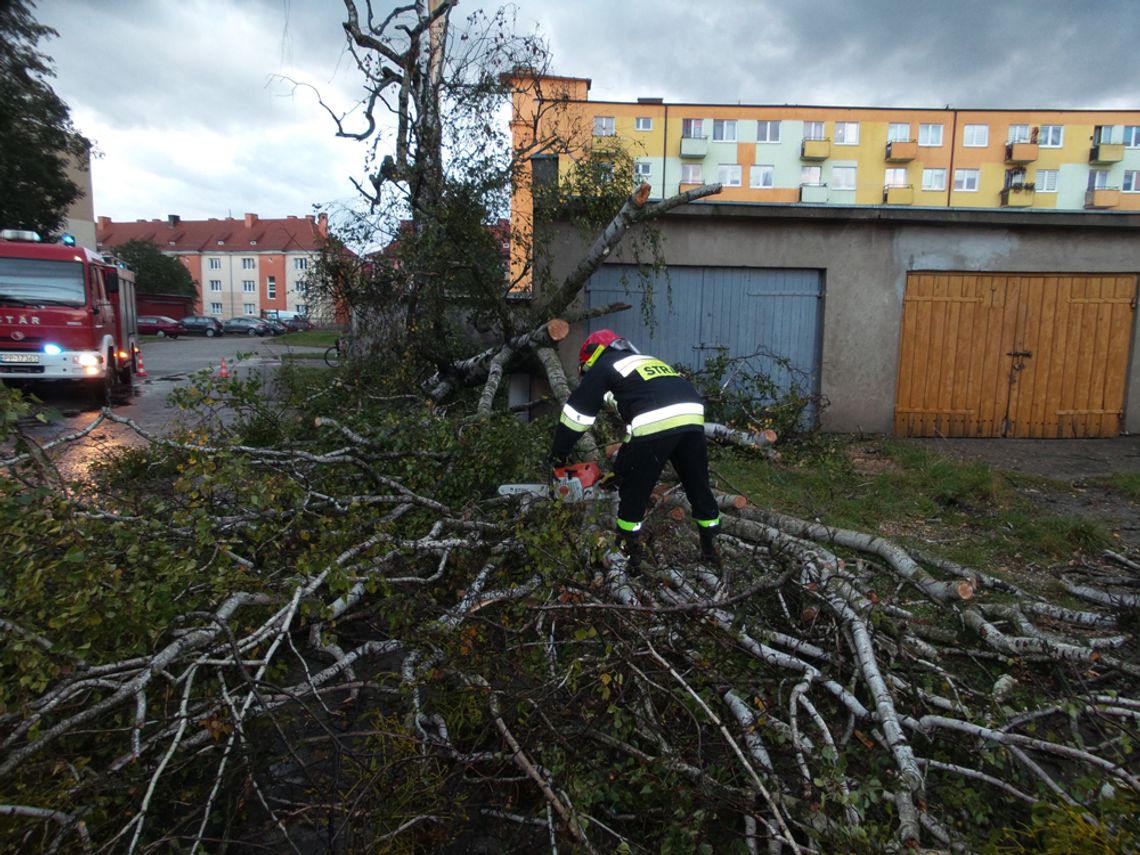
[1069, 475]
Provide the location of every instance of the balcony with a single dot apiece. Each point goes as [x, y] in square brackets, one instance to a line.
[1018, 196]
[815, 149]
[1106, 153]
[902, 151]
[694, 146]
[1020, 152]
[816, 193]
[898, 194]
[1102, 197]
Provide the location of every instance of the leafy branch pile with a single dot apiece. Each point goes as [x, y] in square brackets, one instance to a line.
[313, 626]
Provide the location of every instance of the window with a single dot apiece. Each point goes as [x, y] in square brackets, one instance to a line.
[249, 308]
[692, 129]
[930, 135]
[767, 131]
[215, 284]
[271, 287]
[691, 173]
[934, 179]
[1131, 181]
[300, 263]
[898, 132]
[762, 175]
[248, 264]
[728, 174]
[603, 126]
[847, 133]
[842, 178]
[895, 177]
[215, 308]
[1015, 178]
[966, 180]
[811, 175]
[1051, 136]
[724, 130]
[643, 169]
[976, 136]
[1132, 136]
[643, 123]
[248, 286]
[1046, 181]
[1018, 133]
[1108, 134]
[813, 131]
[215, 264]
[1098, 179]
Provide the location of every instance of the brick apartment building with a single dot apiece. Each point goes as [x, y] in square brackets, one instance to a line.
[242, 267]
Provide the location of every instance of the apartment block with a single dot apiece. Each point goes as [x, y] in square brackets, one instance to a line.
[242, 267]
[833, 155]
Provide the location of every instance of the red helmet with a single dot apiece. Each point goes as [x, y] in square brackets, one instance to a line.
[599, 339]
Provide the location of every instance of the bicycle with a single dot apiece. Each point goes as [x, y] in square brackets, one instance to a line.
[336, 355]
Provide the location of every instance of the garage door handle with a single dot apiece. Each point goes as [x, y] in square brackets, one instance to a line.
[1025, 353]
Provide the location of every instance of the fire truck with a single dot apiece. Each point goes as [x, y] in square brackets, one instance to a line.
[66, 314]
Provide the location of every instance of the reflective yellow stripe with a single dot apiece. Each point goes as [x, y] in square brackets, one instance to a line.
[709, 523]
[629, 364]
[573, 425]
[628, 526]
[667, 424]
[576, 420]
[670, 411]
[589, 363]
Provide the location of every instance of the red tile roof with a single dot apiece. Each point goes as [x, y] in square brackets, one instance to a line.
[251, 234]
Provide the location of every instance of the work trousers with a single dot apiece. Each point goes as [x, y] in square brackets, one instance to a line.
[639, 464]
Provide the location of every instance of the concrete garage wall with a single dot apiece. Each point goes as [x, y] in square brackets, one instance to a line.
[865, 255]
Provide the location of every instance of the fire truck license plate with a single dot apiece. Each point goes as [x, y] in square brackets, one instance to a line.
[19, 357]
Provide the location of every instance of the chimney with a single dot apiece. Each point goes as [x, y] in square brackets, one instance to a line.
[323, 225]
[172, 220]
[250, 219]
[104, 222]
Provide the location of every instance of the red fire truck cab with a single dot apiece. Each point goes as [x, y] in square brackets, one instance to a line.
[66, 313]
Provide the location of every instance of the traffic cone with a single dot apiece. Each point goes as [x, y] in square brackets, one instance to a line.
[140, 369]
[224, 371]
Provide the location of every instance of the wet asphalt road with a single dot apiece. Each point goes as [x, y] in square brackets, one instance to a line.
[168, 363]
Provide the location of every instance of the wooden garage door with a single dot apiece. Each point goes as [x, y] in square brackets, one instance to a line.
[1010, 355]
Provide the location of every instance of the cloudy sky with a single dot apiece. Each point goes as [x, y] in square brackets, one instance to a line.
[187, 103]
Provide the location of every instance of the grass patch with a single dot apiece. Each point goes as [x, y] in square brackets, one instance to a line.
[308, 338]
[1127, 483]
[964, 510]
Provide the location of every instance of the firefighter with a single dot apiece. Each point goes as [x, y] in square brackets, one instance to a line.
[664, 419]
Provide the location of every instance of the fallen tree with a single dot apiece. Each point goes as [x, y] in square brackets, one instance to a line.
[349, 641]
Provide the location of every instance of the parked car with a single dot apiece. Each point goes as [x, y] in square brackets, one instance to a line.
[202, 325]
[161, 326]
[298, 323]
[276, 327]
[249, 326]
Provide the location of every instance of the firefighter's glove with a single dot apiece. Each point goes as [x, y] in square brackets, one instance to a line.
[553, 461]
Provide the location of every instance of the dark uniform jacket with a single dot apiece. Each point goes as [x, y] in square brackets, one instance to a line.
[652, 399]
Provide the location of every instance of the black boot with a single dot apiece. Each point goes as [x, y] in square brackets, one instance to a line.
[709, 553]
[629, 543]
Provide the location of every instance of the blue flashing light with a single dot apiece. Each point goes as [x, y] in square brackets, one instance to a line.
[53, 349]
[68, 240]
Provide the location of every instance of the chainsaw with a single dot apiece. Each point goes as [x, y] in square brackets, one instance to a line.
[577, 482]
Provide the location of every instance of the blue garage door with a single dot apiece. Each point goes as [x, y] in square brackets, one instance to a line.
[772, 317]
